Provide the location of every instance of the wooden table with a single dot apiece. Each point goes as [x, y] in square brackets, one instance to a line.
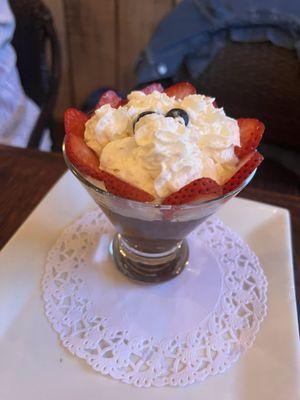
[27, 175]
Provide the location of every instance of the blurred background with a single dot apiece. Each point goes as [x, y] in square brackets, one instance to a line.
[246, 54]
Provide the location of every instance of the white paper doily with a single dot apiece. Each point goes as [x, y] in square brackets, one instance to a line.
[174, 333]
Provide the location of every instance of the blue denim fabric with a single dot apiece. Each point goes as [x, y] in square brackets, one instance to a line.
[196, 30]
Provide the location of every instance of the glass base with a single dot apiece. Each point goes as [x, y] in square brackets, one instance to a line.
[149, 267]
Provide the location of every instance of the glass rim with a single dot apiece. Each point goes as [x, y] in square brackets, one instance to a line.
[192, 205]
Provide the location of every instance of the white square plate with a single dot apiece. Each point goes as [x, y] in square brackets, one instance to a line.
[33, 365]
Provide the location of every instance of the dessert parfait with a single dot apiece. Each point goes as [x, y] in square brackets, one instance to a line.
[159, 163]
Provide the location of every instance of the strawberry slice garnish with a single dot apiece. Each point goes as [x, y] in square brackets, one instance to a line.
[251, 131]
[82, 157]
[246, 166]
[74, 121]
[123, 102]
[199, 189]
[150, 88]
[109, 97]
[123, 189]
[180, 90]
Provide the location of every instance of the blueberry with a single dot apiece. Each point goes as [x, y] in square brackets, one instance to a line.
[178, 112]
[141, 115]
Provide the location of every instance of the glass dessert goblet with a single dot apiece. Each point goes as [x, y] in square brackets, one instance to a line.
[150, 241]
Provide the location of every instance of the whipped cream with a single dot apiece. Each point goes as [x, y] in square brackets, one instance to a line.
[162, 155]
[106, 125]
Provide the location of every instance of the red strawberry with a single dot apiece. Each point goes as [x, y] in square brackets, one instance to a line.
[123, 102]
[83, 158]
[74, 121]
[150, 88]
[109, 97]
[123, 189]
[180, 90]
[246, 166]
[199, 189]
[251, 131]
[77, 151]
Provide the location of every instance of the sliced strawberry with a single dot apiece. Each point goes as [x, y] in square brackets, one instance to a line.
[109, 97]
[150, 88]
[74, 121]
[180, 90]
[251, 131]
[123, 102]
[246, 166]
[77, 151]
[199, 189]
[82, 157]
[123, 189]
